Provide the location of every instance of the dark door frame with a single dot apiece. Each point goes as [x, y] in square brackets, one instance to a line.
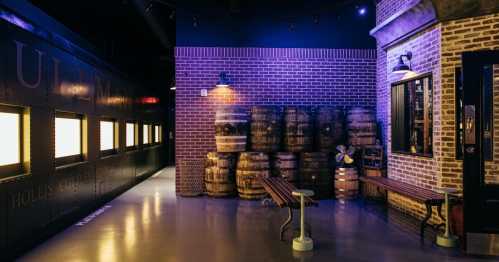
[478, 197]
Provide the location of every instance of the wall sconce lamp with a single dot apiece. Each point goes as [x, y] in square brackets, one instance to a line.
[223, 80]
[401, 67]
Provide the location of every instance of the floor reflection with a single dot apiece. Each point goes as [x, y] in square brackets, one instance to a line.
[150, 223]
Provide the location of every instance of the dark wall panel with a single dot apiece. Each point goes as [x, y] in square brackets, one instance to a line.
[45, 78]
[3, 217]
[110, 175]
[27, 208]
[128, 165]
[148, 161]
[73, 188]
[27, 79]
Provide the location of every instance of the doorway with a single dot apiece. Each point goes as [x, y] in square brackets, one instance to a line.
[480, 117]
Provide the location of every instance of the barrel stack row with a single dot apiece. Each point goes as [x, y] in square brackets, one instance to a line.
[272, 130]
[229, 173]
[282, 144]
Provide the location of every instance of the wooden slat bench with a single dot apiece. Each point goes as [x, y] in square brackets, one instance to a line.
[427, 197]
[281, 193]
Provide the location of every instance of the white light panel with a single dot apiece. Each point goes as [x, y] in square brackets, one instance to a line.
[67, 137]
[10, 139]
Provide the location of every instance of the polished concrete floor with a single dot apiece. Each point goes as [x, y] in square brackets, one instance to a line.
[150, 223]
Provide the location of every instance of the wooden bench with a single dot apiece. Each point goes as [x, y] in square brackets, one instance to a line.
[427, 197]
[280, 191]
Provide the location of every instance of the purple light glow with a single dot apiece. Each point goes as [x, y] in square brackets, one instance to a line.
[15, 20]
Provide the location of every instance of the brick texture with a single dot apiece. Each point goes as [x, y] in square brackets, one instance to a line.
[471, 34]
[419, 171]
[384, 10]
[438, 50]
[263, 76]
[387, 8]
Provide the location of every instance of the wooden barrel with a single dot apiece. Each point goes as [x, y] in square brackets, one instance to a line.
[219, 176]
[285, 165]
[315, 174]
[330, 128]
[361, 127]
[298, 130]
[231, 129]
[346, 183]
[265, 129]
[250, 166]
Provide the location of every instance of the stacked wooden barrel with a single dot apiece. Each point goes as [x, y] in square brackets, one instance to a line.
[330, 128]
[315, 175]
[220, 174]
[295, 136]
[298, 130]
[361, 127]
[285, 165]
[250, 167]
[346, 183]
[231, 129]
[265, 129]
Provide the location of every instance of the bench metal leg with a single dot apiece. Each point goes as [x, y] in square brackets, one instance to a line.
[424, 223]
[267, 202]
[286, 224]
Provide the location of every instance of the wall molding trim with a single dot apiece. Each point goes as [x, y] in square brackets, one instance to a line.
[319, 53]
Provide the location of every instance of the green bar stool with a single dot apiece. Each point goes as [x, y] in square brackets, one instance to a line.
[302, 243]
[447, 239]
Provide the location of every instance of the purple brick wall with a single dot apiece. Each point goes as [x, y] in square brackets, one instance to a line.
[387, 8]
[263, 76]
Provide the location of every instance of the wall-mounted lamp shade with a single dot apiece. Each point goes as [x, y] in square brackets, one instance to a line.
[401, 67]
[223, 80]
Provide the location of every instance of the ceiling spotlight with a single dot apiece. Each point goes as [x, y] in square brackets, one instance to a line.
[316, 19]
[401, 67]
[223, 80]
[362, 11]
[195, 21]
[148, 8]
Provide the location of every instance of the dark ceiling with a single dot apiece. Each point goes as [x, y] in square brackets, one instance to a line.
[120, 29]
[138, 36]
[277, 24]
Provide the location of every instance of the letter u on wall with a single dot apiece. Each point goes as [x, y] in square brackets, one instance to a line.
[20, 72]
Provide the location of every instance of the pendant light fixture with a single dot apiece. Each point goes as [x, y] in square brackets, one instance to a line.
[223, 80]
[401, 67]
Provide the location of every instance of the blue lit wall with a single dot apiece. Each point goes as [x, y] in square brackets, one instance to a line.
[293, 24]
